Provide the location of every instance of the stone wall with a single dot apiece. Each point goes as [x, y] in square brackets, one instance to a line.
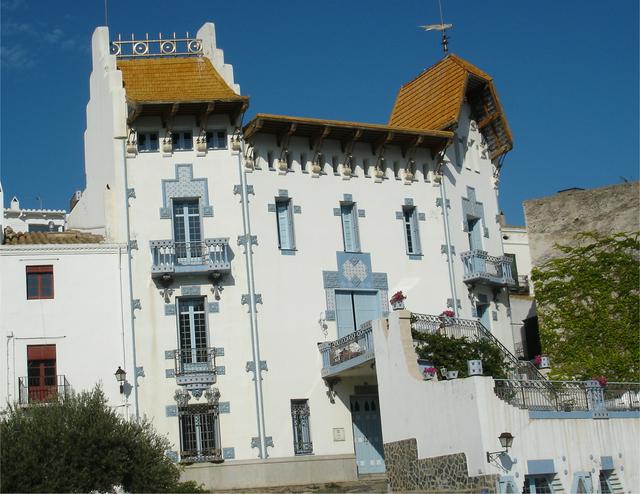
[558, 218]
[446, 473]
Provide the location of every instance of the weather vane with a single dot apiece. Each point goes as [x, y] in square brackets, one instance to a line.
[442, 27]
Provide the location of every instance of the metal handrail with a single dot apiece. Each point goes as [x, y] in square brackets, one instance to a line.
[29, 394]
[194, 360]
[212, 252]
[348, 347]
[473, 330]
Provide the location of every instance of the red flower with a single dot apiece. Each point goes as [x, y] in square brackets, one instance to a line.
[448, 313]
[601, 380]
[537, 360]
[397, 297]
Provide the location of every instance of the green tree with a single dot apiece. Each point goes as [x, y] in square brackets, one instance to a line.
[79, 444]
[588, 308]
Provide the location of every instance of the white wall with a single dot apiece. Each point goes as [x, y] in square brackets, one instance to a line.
[84, 319]
[465, 415]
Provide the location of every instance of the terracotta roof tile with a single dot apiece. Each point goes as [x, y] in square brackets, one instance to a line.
[67, 237]
[174, 80]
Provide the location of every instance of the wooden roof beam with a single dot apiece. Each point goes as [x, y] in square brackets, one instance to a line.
[412, 146]
[347, 146]
[487, 120]
[283, 137]
[201, 119]
[133, 111]
[253, 129]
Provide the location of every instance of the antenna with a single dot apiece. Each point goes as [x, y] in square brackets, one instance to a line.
[442, 27]
[106, 13]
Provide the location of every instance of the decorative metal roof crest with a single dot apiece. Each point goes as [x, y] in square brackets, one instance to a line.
[168, 47]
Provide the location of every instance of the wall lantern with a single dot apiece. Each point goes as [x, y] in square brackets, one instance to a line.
[506, 440]
[121, 376]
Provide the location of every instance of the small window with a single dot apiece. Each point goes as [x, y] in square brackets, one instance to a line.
[217, 139]
[182, 140]
[39, 282]
[199, 433]
[147, 142]
[411, 235]
[284, 220]
[350, 234]
[537, 484]
[302, 444]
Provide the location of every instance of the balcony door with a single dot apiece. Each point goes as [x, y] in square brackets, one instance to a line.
[354, 308]
[41, 372]
[187, 233]
[192, 322]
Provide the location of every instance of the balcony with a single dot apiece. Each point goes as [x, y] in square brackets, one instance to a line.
[169, 257]
[349, 354]
[480, 267]
[521, 286]
[29, 395]
[195, 367]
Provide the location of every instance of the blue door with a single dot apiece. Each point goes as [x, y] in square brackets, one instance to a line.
[367, 434]
[475, 243]
[483, 315]
[355, 308]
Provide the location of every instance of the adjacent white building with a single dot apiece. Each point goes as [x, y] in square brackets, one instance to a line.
[250, 260]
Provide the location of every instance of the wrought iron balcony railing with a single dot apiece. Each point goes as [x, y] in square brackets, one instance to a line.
[569, 396]
[213, 254]
[480, 267]
[194, 360]
[35, 392]
[473, 330]
[358, 343]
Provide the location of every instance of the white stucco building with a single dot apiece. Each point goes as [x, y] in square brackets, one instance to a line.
[257, 254]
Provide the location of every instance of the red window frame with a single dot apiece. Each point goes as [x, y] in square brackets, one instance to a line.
[42, 379]
[38, 274]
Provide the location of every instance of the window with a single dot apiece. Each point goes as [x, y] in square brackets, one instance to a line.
[199, 433]
[411, 233]
[147, 142]
[192, 333]
[302, 444]
[537, 484]
[41, 372]
[350, 234]
[187, 233]
[474, 229]
[354, 308]
[284, 218]
[605, 484]
[217, 139]
[182, 140]
[39, 282]
[34, 227]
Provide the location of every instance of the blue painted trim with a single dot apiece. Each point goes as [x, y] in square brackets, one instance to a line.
[415, 257]
[170, 310]
[399, 215]
[337, 212]
[606, 463]
[347, 197]
[214, 307]
[288, 252]
[422, 217]
[408, 201]
[504, 482]
[361, 213]
[626, 414]
[190, 291]
[297, 209]
[169, 373]
[228, 453]
[184, 185]
[171, 410]
[541, 467]
[271, 208]
[224, 407]
[169, 354]
[218, 351]
[283, 193]
[221, 370]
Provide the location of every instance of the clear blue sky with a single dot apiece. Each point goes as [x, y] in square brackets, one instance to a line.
[566, 73]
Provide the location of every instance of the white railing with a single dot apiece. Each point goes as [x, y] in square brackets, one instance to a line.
[211, 254]
[480, 266]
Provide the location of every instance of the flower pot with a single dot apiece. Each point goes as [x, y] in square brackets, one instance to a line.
[316, 169]
[452, 374]
[397, 305]
[545, 363]
[132, 148]
[474, 367]
[201, 146]
[429, 376]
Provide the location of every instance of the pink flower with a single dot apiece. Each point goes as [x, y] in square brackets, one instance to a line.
[537, 360]
[601, 380]
[397, 297]
[448, 313]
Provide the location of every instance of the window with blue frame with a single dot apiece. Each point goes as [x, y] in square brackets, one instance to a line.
[147, 142]
[411, 232]
[216, 139]
[182, 140]
[537, 484]
[284, 219]
[350, 233]
[605, 482]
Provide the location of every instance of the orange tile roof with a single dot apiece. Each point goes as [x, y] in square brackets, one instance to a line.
[433, 100]
[66, 237]
[174, 80]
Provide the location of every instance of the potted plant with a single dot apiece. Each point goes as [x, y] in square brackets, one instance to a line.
[430, 373]
[397, 300]
[542, 362]
[601, 380]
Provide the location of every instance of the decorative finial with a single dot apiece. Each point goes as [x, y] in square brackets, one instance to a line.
[442, 27]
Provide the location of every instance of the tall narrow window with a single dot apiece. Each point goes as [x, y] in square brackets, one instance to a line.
[537, 484]
[411, 234]
[147, 142]
[199, 433]
[182, 140]
[192, 333]
[39, 282]
[302, 444]
[216, 139]
[350, 234]
[284, 218]
[41, 372]
[605, 485]
[186, 231]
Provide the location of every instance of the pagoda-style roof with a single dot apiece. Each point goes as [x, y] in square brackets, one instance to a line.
[433, 101]
[177, 85]
[373, 134]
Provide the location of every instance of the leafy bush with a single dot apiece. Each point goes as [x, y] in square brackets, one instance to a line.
[80, 444]
[453, 353]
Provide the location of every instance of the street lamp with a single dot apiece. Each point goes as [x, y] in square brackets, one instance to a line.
[506, 440]
[121, 377]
